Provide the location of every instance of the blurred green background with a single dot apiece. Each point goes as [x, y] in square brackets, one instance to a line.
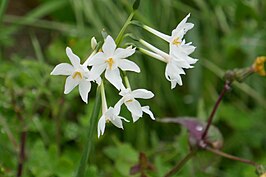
[33, 37]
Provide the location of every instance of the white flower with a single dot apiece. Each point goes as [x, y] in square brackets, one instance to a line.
[174, 63]
[77, 75]
[177, 34]
[129, 99]
[110, 115]
[179, 51]
[110, 60]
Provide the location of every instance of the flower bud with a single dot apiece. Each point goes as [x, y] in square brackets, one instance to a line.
[259, 65]
[93, 43]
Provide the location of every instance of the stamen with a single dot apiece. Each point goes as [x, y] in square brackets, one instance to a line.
[110, 62]
[77, 74]
[107, 119]
[128, 101]
[176, 41]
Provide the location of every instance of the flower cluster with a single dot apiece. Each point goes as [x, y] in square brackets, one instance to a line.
[178, 57]
[111, 59]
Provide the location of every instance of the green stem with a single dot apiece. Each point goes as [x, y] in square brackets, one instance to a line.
[181, 163]
[118, 40]
[90, 138]
[119, 37]
[126, 80]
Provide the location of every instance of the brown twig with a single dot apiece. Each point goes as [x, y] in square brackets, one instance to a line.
[229, 156]
[226, 87]
[23, 135]
[22, 156]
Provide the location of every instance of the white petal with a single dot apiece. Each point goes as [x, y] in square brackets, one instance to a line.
[98, 81]
[147, 110]
[117, 122]
[113, 76]
[70, 84]
[63, 69]
[188, 49]
[109, 46]
[96, 71]
[122, 118]
[127, 65]
[182, 60]
[191, 60]
[101, 125]
[135, 118]
[181, 29]
[125, 91]
[180, 63]
[117, 107]
[134, 107]
[173, 76]
[142, 93]
[157, 33]
[173, 84]
[184, 23]
[124, 53]
[74, 59]
[84, 89]
[96, 59]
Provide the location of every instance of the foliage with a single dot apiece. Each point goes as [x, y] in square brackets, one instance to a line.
[228, 34]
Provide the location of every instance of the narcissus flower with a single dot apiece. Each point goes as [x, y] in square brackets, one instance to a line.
[110, 59]
[77, 75]
[178, 57]
[129, 99]
[175, 62]
[176, 38]
[110, 115]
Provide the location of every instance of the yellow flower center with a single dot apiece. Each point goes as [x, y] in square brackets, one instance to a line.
[77, 74]
[110, 62]
[176, 41]
[259, 65]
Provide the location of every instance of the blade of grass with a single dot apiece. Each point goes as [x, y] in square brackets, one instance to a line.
[77, 7]
[51, 25]
[89, 12]
[3, 6]
[35, 14]
[37, 47]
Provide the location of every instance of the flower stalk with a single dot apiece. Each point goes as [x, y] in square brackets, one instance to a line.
[120, 35]
[126, 80]
[180, 164]
[229, 156]
[90, 138]
[227, 86]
